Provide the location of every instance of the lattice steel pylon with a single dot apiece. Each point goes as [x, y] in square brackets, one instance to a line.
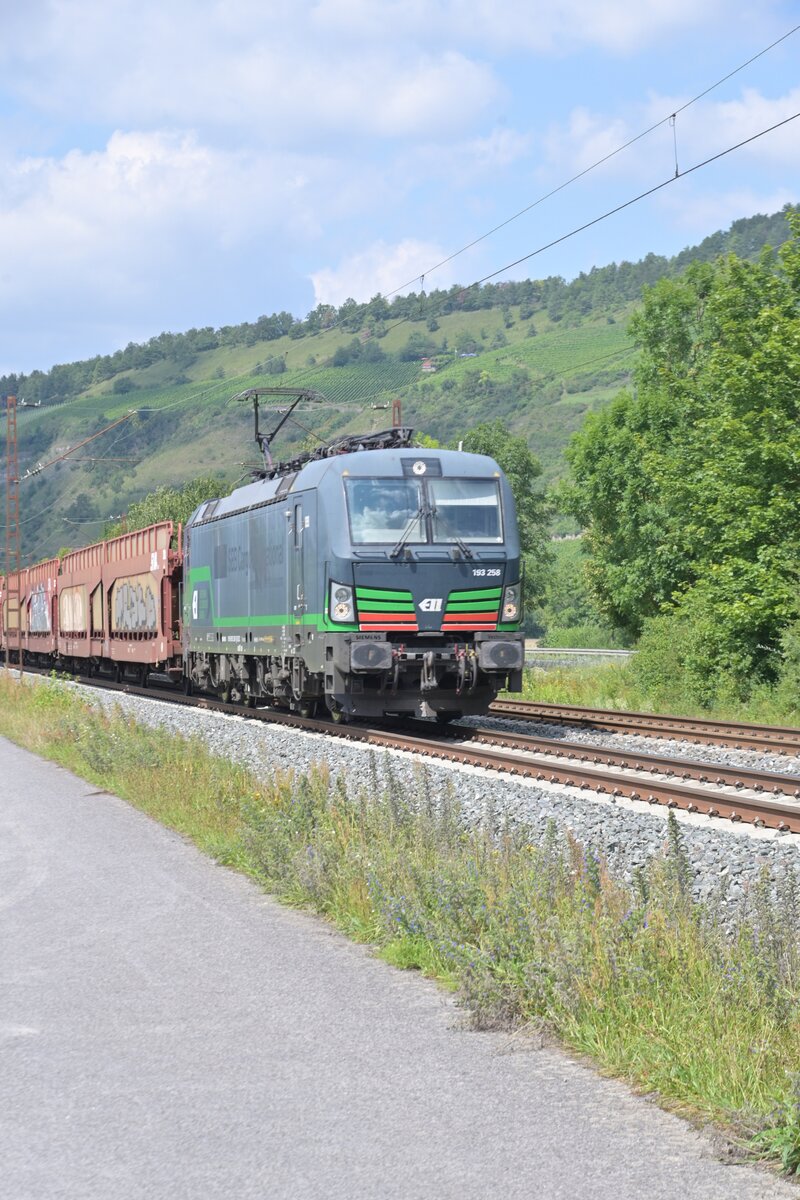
[11, 614]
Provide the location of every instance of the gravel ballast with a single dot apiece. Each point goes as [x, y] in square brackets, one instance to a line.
[727, 859]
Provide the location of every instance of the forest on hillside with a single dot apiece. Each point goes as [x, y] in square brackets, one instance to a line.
[601, 290]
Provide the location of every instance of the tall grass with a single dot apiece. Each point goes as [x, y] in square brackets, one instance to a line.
[614, 685]
[642, 979]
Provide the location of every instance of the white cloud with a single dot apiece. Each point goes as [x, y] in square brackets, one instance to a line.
[586, 139]
[462, 165]
[380, 268]
[265, 74]
[512, 25]
[499, 149]
[146, 215]
[738, 119]
[298, 73]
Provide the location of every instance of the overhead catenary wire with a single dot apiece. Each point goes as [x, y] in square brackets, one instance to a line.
[310, 372]
[72, 487]
[670, 117]
[635, 199]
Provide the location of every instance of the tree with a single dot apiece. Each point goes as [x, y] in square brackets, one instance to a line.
[522, 469]
[568, 615]
[419, 345]
[689, 490]
[169, 504]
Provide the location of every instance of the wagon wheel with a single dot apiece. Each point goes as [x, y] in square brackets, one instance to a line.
[337, 713]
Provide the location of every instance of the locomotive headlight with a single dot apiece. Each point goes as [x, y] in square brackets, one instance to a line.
[341, 605]
[511, 603]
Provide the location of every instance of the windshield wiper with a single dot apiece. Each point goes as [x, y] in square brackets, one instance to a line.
[463, 547]
[406, 534]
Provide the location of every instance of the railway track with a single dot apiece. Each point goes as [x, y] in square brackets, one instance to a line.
[775, 738]
[766, 799]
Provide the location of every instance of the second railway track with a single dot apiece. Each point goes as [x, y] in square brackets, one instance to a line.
[732, 734]
[766, 799]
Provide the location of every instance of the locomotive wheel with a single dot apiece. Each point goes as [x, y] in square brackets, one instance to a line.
[337, 714]
[308, 709]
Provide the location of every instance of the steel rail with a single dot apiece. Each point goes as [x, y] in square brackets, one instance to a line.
[685, 768]
[768, 812]
[782, 739]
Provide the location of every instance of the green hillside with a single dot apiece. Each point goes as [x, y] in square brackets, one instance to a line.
[538, 354]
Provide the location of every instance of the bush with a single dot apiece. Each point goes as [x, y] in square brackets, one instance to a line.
[686, 663]
[787, 687]
[590, 636]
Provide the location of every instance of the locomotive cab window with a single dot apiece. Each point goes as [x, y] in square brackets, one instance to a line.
[423, 511]
[382, 509]
[465, 508]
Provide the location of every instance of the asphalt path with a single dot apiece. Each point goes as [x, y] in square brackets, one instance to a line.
[167, 1030]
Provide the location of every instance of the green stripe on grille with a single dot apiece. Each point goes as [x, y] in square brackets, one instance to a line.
[478, 594]
[385, 605]
[474, 606]
[365, 593]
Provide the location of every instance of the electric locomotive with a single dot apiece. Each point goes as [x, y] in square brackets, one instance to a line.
[370, 577]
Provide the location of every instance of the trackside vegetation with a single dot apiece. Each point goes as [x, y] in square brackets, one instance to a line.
[649, 984]
[688, 488]
[629, 686]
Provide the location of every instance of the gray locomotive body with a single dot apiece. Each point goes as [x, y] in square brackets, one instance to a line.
[377, 581]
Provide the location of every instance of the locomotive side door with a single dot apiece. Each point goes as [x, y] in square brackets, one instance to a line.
[295, 576]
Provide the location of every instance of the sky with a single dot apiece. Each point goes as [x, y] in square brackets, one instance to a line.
[169, 164]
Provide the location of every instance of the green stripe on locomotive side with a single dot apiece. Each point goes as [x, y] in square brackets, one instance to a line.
[203, 575]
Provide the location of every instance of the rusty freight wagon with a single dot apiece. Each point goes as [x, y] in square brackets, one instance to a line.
[119, 601]
[116, 602]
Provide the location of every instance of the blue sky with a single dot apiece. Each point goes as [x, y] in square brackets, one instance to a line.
[178, 163]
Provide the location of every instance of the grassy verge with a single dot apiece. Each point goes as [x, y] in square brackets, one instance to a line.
[642, 980]
[614, 685]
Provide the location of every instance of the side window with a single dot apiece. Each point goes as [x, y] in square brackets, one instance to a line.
[221, 561]
[298, 526]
